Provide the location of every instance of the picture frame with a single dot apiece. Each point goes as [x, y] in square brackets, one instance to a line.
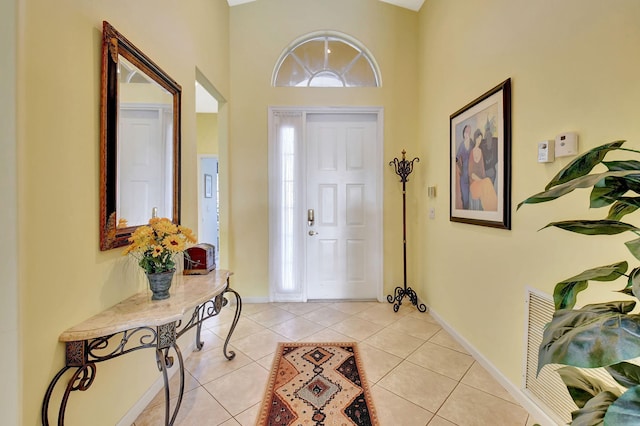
[208, 186]
[480, 160]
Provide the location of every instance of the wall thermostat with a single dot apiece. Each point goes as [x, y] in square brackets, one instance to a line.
[545, 152]
[566, 144]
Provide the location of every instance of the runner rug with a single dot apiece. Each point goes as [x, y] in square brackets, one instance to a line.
[317, 384]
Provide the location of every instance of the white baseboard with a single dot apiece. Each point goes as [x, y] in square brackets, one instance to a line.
[518, 394]
[255, 299]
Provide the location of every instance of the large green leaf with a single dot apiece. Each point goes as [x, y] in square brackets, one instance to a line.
[602, 273]
[593, 413]
[634, 247]
[565, 292]
[633, 276]
[593, 227]
[633, 182]
[583, 164]
[582, 387]
[622, 165]
[625, 411]
[607, 191]
[634, 281]
[622, 207]
[626, 291]
[595, 335]
[579, 182]
[625, 373]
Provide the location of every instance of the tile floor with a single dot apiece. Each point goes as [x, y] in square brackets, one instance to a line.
[418, 374]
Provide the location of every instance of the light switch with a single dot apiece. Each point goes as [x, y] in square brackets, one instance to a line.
[546, 152]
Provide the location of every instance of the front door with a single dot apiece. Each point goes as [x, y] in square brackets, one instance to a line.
[343, 209]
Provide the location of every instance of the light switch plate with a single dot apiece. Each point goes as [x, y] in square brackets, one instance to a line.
[546, 152]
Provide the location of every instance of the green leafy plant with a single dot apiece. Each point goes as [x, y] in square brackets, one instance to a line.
[602, 334]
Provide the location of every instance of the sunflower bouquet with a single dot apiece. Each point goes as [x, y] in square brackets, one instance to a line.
[156, 245]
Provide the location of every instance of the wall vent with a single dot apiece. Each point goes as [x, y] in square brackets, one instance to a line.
[547, 389]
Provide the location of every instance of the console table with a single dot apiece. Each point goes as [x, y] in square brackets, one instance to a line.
[139, 323]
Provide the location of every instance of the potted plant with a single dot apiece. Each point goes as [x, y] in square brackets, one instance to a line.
[155, 246]
[602, 334]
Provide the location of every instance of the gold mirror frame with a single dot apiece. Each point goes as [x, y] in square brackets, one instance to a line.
[114, 46]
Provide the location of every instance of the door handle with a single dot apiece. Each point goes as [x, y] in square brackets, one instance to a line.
[312, 233]
[310, 217]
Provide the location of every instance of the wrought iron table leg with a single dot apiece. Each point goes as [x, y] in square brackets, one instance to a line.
[231, 354]
[199, 341]
[164, 363]
[81, 380]
[44, 414]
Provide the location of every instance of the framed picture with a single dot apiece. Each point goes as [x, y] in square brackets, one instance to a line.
[480, 160]
[208, 183]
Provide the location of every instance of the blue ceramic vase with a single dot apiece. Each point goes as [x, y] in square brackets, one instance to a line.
[159, 283]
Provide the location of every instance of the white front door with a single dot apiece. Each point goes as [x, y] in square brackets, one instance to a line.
[344, 216]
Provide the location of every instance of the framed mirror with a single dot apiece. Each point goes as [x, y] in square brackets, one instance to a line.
[139, 141]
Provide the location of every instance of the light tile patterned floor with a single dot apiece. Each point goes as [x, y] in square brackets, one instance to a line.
[418, 374]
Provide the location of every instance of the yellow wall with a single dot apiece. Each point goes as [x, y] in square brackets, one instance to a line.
[573, 67]
[260, 31]
[10, 396]
[64, 277]
[207, 126]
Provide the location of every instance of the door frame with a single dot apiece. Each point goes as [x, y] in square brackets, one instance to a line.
[378, 238]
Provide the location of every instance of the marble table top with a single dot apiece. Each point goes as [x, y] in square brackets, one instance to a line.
[187, 292]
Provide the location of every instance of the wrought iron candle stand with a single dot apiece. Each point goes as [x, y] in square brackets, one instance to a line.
[403, 168]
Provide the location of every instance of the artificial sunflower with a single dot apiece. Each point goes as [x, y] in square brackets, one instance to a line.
[156, 245]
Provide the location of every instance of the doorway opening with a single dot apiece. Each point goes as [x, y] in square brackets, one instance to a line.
[209, 211]
[209, 140]
[325, 198]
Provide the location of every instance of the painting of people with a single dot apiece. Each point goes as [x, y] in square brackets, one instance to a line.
[480, 160]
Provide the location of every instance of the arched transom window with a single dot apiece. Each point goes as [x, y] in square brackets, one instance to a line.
[326, 60]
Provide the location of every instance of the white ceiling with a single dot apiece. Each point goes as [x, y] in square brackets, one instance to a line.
[205, 102]
[414, 5]
[237, 2]
[407, 4]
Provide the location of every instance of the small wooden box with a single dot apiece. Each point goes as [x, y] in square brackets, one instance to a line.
[199, 259]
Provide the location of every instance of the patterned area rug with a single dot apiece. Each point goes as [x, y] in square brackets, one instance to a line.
[317, 384]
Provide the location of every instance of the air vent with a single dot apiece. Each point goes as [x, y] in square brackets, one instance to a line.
[547, 389]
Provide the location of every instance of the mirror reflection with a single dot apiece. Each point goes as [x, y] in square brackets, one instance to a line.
[145, 129]
[139, 141]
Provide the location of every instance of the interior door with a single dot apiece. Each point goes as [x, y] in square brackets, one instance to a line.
[343, 216]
